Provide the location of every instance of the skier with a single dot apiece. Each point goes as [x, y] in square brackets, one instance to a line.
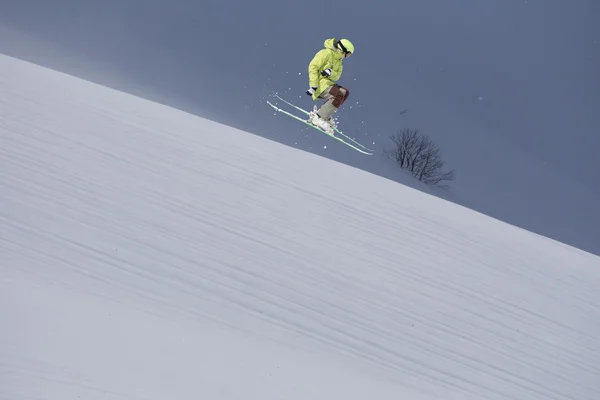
[324, 71]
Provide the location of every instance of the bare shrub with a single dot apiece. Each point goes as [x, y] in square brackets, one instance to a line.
[418, 154]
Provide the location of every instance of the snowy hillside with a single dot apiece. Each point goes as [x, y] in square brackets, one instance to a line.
[146, 253]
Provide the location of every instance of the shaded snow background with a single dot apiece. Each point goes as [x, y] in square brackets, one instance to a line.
[509, 89]
[148, 254]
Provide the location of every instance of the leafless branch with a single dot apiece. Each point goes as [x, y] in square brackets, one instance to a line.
[418, 154]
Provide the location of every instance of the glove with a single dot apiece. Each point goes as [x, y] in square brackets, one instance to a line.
[326, 72]
[311, 91]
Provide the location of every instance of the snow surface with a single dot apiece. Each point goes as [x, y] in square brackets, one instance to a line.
[146, 253]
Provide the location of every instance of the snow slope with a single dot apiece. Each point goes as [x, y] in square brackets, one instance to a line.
[150, 254]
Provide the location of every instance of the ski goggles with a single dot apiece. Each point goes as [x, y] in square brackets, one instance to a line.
[341, 47]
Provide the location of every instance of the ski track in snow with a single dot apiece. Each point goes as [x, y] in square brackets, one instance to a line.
[126, 205]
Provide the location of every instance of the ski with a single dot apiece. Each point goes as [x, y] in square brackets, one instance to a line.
[319, 129]
[335, 129]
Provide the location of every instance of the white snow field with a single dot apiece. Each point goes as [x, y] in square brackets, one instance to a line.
[147, 253]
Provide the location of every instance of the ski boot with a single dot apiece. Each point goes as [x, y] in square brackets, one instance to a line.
[325, 124]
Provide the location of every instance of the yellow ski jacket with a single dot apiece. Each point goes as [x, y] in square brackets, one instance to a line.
[329, 57]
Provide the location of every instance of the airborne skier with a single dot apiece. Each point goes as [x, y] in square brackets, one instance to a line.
[324, 71]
